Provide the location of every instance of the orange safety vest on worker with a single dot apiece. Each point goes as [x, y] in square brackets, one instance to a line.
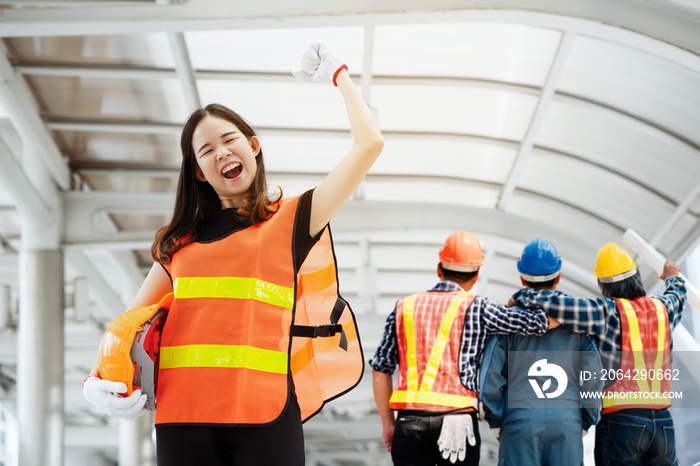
[429, 331]
[242, 320]
[644, 378]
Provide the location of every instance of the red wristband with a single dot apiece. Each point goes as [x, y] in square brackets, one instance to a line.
[88, 378]
[335, 75]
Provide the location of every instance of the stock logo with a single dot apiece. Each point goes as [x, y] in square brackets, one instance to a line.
[551, 371]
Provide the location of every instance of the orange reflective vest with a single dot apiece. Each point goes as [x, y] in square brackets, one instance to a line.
[429, 331]
[243, 319]
[644, 378]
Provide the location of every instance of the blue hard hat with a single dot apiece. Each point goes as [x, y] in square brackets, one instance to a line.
[539, 261]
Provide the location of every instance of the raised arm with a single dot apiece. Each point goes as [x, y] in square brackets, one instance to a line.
[675, 295]
[319, 64]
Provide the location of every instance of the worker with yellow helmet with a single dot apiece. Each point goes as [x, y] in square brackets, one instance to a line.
[627, 326]
[436, 338]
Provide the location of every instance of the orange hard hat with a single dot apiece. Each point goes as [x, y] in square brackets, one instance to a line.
[131, 344]
[461, 253]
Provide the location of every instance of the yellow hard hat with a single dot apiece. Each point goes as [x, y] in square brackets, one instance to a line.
[613, 264]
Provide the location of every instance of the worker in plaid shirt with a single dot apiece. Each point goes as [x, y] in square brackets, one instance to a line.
[599, 317]
[437, 338]
[627, 432]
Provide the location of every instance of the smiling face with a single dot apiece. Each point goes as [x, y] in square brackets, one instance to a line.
[225, 159]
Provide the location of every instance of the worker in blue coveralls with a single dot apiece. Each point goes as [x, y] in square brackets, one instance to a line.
[531, 385]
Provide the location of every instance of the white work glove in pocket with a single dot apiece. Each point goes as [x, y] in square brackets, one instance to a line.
[456, 430]
[104, 395]
[318, 64]
[496, 432]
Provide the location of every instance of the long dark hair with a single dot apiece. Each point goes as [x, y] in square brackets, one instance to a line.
[195, 200]
[629, 288]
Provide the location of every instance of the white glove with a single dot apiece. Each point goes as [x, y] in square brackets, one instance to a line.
[104, 395]
[583, 433]
[496, 432]
[456, 429]
[318, 64]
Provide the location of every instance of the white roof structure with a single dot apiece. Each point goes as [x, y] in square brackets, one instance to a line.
[570, 121]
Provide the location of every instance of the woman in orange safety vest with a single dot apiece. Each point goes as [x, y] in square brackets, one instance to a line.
[256, 338]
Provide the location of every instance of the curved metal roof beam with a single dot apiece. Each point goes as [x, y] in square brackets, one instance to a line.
[27, 199]
[679, 21]
[183, 65]
[22, 109]
[118, 126]
[546, 96]
[677, 214]
[106, 170]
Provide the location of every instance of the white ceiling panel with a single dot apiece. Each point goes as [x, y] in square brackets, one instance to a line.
[647, 86]
[472, 110]
[120, 99]
[149, 49]
[301, 152]
[437, 191]
[120, 150]
[509, 53]
[628, 146]
[554, 215]
[467, 158]
[613, 198]
[270, 50]
[286, 104]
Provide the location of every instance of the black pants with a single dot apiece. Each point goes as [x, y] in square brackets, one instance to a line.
[281, 443]
[415, 441]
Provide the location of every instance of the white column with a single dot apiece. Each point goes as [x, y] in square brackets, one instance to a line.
[40, 358]
[5, 307]
[135, 442]
[40, 345]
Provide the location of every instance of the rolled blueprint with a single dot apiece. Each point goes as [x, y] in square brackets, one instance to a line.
[656, 261]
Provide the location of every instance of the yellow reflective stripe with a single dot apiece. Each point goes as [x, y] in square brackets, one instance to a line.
[635, 337]
[435, 399]
[234, 287]
[441, 340]
[633, 398]
[658, 363]
[635, 342]
[411, 362]
[223, 356]
[643, 397]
